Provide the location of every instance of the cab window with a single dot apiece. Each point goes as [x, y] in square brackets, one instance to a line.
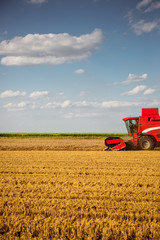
[132, 125]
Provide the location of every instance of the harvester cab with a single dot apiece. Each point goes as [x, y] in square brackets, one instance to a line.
[131, 125]
[145, 132]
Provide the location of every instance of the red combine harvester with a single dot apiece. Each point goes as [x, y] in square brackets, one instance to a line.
[145, 131]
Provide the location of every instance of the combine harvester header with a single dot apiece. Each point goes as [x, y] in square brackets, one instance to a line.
[145, 131]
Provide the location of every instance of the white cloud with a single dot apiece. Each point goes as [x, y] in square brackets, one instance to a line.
[50, 48]
[8, 105]
[115, 104]
[101, 105]
[38, 94]
[153, 6]
[144, 27]
[135, 90]
[21, 106]
[86, 104]
[104, 104]
[149, 91]
[84, 108]
[80, 71]
[37, 1]
[65, 104]
[10, 93]
[15, 107]
[80, 115]
[143, 3]
[135, 78]
[53, 105]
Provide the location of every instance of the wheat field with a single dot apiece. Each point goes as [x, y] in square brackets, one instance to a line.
[80, 195]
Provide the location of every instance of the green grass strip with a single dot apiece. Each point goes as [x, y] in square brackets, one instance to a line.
[60, 135]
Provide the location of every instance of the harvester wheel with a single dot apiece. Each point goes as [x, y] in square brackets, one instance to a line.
[146, 143]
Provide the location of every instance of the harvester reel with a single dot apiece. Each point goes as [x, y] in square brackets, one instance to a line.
[114, 144]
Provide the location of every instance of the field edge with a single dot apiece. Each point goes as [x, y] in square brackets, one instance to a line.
[61, 135]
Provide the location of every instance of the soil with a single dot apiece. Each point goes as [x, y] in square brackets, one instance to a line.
[54, 144]
[51, 144]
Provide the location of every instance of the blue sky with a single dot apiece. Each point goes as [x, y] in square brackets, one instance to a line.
[77, 65]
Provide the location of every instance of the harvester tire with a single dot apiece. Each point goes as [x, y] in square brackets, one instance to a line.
[146, 143]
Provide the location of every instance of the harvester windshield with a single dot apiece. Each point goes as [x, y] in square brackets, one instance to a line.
[132, 125]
